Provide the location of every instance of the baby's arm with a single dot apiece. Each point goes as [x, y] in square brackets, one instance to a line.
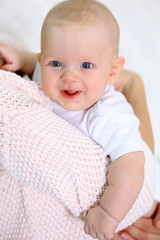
[13, 60]
[125, 180]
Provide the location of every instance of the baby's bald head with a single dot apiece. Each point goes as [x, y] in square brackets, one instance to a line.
[86, 13]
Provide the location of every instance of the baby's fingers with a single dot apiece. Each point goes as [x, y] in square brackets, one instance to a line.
[101, 237]
[93, 233]
[89, 232]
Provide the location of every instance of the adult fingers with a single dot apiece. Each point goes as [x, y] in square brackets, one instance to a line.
[139, 234]
[118, 236]
[146, 225]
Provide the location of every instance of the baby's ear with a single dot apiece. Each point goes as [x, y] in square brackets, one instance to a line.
[116, 68]
[39, 57]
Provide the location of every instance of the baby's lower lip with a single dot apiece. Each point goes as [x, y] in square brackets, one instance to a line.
[70, 94]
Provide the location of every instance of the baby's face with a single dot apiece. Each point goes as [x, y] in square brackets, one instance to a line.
[76, 63]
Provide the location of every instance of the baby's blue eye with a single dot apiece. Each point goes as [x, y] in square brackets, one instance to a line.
[87, 65]
[55, 64]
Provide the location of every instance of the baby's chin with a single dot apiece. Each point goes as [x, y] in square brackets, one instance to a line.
[72, 108]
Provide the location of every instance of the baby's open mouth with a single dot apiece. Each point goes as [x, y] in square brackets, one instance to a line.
[70, 93]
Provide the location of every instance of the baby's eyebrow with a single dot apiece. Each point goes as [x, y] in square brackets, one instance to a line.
[89, 59]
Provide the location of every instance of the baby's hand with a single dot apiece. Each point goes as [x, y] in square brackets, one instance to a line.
[99, 224]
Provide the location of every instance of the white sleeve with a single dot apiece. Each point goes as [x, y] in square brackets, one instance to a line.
[113, 125]
[157, 187]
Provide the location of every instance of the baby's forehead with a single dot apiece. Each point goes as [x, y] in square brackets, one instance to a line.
[109, 26]
[78, 30]
[88, 41]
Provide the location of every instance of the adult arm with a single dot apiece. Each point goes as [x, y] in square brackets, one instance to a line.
[131, 85]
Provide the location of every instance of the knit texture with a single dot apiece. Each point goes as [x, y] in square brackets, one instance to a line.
[51, 174]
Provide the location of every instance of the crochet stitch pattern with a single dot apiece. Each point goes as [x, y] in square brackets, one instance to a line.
[51, 173]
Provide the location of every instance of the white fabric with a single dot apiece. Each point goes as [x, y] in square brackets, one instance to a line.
[110, 122]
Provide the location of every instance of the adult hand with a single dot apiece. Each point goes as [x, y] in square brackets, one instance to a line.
[11, 59]
[143, 228]
[16, 60]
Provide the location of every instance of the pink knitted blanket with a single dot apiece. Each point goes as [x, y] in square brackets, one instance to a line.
[51, 174]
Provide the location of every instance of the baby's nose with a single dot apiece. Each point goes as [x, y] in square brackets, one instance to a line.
[69, 77]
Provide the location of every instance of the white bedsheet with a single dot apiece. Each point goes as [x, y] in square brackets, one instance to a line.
[140, 37]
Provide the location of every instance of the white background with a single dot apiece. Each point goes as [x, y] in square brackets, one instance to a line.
[139, 22]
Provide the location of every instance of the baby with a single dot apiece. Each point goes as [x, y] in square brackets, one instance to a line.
[79, 64]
